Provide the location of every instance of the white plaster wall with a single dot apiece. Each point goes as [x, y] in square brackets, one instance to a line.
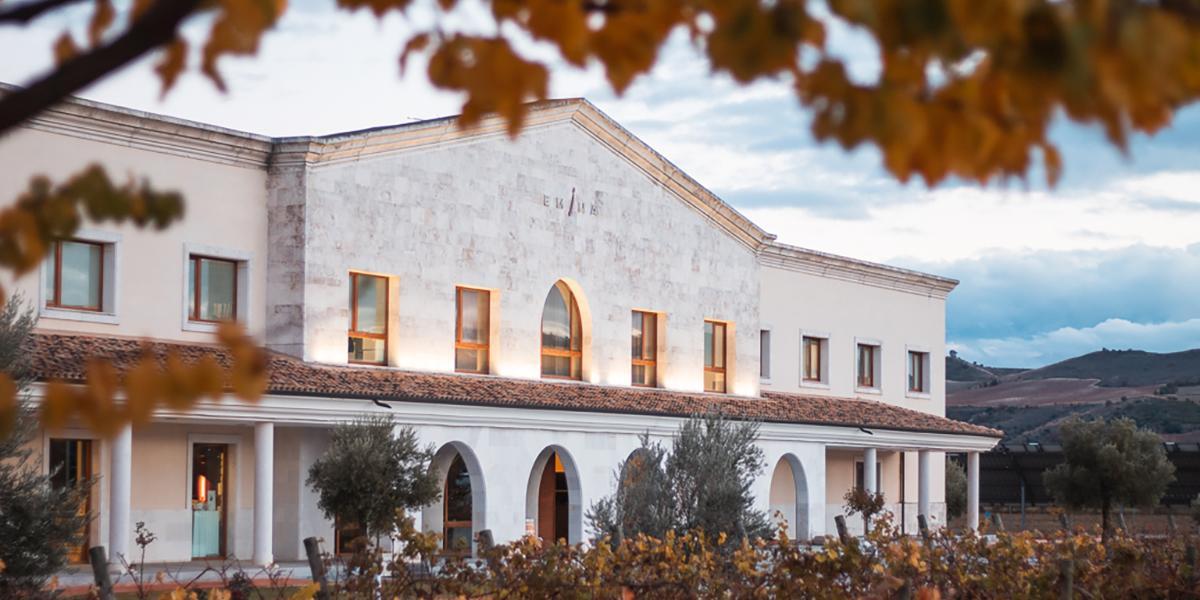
[475, 214]
[225, 208]
[794, 302]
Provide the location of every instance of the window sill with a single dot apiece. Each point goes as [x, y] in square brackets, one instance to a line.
[868, 390]
[202, 326]
[816, 385]
[918, 395]
[86, 316]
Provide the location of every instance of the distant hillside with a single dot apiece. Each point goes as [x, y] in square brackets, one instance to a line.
[958, 369]
[1160, 392]
[1125, 368]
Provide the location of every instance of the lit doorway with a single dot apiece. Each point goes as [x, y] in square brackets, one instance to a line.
[71, 467]
[210, 496]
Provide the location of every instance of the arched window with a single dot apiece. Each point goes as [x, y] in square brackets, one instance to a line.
[562, 335]
[457, 528]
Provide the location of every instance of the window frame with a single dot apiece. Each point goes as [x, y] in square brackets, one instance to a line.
[822, 356]
[353, 333]
[875, 371]
[924, 380]
[649, 363]
[194, 308]
[764, 358]
[724, 355]
[458, 341]
[570, 353]
[55, 300]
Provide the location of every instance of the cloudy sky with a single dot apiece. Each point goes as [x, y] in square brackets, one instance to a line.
[1109, 258]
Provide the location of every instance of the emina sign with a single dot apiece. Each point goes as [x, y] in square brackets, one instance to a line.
[572, 206]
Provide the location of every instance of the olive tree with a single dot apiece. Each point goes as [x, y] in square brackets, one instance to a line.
[703, 484]
[39, 521]
[372, 473]
[956, 490]
[1109, 463]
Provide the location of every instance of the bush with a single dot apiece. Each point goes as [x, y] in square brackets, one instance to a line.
[956, 489]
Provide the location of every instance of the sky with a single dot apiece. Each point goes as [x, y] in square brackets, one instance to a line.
[1110, 257]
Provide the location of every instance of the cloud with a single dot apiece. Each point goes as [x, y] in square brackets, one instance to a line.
[1066, 342]
[1030, 308]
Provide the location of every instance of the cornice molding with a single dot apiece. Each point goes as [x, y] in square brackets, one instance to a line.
[822, 264]
[95, 121]
[315, 411]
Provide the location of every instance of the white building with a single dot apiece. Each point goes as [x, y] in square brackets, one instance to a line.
[487, 291]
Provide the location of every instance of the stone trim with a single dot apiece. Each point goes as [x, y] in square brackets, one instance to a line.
[822, 264]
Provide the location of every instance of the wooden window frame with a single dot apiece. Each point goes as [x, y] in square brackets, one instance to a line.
[572, 311]
[872, 384]
[354, 333]
[724, 355]
[458, 341]
[194, 265]
[804, 339]
[920, 357]
[55, 300]
[650, 363]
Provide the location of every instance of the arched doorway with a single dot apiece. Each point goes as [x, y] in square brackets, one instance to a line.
[553, 507]
[562, 333]
[789, 496]
[460, 512]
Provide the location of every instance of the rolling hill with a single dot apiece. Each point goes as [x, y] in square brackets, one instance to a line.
[1161, 391]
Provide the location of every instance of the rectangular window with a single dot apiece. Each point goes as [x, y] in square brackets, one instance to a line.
[77, 276]
[868, 359]
[859, 476]
[764, 354]
[471, 330]
[814, 359]
[212, 289]
[71, 467]
[368, 319]
[645, 349]
[714, 356]
[918, 378]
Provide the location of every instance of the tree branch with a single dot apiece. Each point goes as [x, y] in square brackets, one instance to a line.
[155, 27]
[28, 11]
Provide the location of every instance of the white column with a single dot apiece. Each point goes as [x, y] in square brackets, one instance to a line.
[264, 480]
[923, 484]
[120, 479]
[973, 490]
[869, 476]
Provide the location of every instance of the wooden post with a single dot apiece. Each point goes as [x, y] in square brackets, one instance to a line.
[997, 522]
[1064, 521]
[923, 524]
[317, 566]
[1170, 523]
[100, 572]
[1066, 572]
[1121, 521]
[843, 533]
[1189, 559]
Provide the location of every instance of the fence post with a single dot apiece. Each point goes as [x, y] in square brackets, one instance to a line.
[317, 566]
[100, 572]
[1170, 523]
[1064, 521]
[843, 533]
[997, 522]
[1189, 559]
[1121, 521]
[1066, 572]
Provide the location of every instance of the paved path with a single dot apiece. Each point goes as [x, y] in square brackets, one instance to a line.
[76, 579]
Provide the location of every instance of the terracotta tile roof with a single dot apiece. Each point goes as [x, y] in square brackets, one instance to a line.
[62, 356]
